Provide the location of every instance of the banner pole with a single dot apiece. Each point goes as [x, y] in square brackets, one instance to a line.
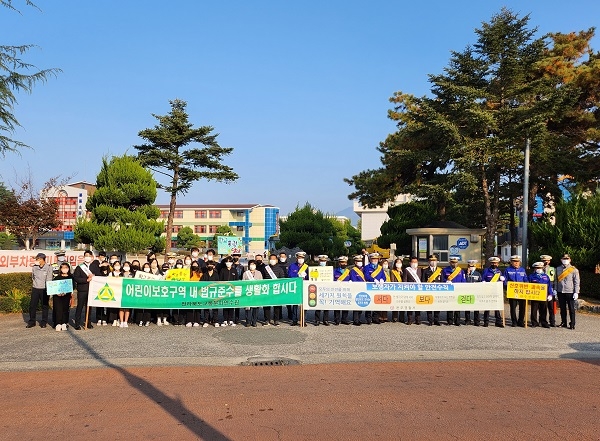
[526, 312]
[87, 315]
[302, 316]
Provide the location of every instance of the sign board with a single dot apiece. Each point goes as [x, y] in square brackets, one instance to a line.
[21, 261]
[63, 286]
[178, 274]
[320, 273]
[227, 245]
[527, 291]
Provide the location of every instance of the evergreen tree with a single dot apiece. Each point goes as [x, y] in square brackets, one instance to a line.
[186, 239]
[123, 215]
[167, 153]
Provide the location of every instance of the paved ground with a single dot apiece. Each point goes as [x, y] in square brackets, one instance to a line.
[388, 381]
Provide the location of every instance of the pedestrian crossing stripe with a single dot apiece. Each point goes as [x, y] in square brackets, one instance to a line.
[106, 294]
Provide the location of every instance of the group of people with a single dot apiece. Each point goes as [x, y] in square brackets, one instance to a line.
[562, 282]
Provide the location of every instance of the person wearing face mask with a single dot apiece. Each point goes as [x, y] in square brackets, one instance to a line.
[273, 271]
[373, 273]
[396, 276]
[210, 257]
[516, 273]
[150, 256]
[260, 265]
[453, 274]
[341, 274]
[385, 265]
[492, 274]
[61, 302]
[412, 274]
[40, 274]
[472, 276]
[251, 274]
[357, 275]
[285, 265]
[538, 308]
[113, 259]
[135, 266]
[551, 272]
[227, 274]
[239, 268]
[567, 286]
[211, 316]
[193, 315]
[155, 268]
[187, 262]
[299, 268]
[432, 274]
[322, 259]
[97, 268]
[60, 258]
[195, 253]
[82, 276]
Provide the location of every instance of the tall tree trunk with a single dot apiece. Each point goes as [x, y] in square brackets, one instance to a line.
[513, 226]
[490, 230]
[172, 205]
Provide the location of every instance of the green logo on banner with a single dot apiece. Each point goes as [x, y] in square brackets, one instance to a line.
[106, 294]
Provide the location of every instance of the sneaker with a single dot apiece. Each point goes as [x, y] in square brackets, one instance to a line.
[147, 324]
[58, 328]
[205, 325]
[188, 325]
[116, 323]
[121, 325]
[231, 324]
[165, 322]
[104, 323]
[125, 325]
[216, 325]
[141, 324]
[99, 323]
[159, 322]
[64, 327]
[196, 325]
[224, 324]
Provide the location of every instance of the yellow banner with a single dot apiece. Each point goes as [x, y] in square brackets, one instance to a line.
[527, 291]
[178, 274]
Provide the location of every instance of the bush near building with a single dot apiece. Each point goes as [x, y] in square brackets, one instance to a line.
[15, 292]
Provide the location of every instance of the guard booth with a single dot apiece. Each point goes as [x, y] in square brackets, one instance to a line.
[447, 239]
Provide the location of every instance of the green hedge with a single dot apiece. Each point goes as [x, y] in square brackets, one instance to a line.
[21, 281]
[590, 285]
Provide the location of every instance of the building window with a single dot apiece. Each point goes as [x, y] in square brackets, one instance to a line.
[164, 214]
[178, 214]
[200, 214]
[240, 228]
[239, 214]
[215, 214]
[176, 228]
[212, 228]
[199, 229]
[440, 247]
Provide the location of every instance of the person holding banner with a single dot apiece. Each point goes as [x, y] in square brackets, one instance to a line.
[82, 276]
[161, 314]
[472, 276]
[357, 275]
[322, 259]
[516, 273]
[227, 274]
[273, 271]
[296, 269]
[491, 274]
[538, 276]
[432, 274]
[412, 274]
[453, 274]
[240, 271]
[251, 274]
[396, 276]
[341, 274]
[551, 272]
[211, 316]
[40, 274]
[60, 258]
[567, 285]
[193, 315]
[62, 301]
[373, 273]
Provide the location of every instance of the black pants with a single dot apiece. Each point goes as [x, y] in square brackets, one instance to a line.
[60, 309]
[513, 303]
[228, 314]
[251, 316]
[211, 316]
[143, 315]
[433, 317]
[453, 317]
[290, 312]
[81, 306]
[539, 309]
[39, 295]
[344, 317]
[566, 299]
[398, 316]
[417, 318]
[550, 307]
[192, 316]
[318, 316]
[486, 317]
[277, 313]
[267, 313]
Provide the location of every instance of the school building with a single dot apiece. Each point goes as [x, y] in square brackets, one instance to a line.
[257, 225]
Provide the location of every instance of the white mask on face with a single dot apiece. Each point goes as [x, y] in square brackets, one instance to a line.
[188, 262]
[117, 268]
[565, 262]
[273, 262]
[112, 261]
[300, 261]
[414, 265]
[359, 264]
[171, 261]
[126, 268]
[385, 266]
[194, 254]
[282, 259]
[87, 259]
[179, 266]
[322, 263]
[399, 265]
[252, 267]
[146, 270]
[432, 264]
[228, 264]
[61, 258]
[539, 270]
[210, 257]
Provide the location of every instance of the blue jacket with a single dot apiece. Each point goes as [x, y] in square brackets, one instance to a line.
[542, 278]
[337, 273]
[489, 273]
[368, 271]
[512, 274]
[460, 278]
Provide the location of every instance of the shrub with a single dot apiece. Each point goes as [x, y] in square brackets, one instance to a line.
[20, 281]
[12, 300]
[590, 284]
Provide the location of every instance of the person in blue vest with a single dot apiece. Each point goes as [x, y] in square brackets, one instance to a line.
[373, 273]
[299, 268]
[551, 272]
[472, 276]
[322, 259]
[432, 274]
[453, 274]
[357, 275]
[341, 274]
[516, 273]
[539, 307]
[492, 274]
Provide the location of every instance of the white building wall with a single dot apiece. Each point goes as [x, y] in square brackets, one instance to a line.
[371, 219]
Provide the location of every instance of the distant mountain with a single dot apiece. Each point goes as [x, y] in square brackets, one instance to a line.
[350, 214]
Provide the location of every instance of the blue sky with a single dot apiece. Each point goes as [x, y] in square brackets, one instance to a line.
[299, 89]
